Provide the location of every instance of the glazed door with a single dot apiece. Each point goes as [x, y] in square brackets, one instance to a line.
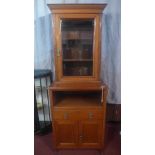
[91, 134]
[77, 51]
[66, 133]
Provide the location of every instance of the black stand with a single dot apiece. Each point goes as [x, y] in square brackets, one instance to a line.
[42, 126]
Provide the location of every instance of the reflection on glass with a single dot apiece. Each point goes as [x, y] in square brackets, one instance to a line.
[77, 47]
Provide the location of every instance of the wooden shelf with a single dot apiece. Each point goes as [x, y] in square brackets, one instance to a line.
[72, 60]
[78, 101]
[69, 39]
[78, 86]
[85, 42]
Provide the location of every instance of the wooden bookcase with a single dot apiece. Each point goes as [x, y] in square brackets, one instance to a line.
[78, 97]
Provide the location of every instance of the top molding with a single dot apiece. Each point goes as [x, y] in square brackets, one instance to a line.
[77, 8]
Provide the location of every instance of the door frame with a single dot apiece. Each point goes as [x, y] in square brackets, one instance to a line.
[58, 46]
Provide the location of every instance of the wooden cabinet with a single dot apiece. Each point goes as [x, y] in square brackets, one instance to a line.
[78, 116]
[77, 96]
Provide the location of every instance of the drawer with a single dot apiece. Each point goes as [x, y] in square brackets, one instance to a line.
[77, 115]
[66, 115]
[91, 114]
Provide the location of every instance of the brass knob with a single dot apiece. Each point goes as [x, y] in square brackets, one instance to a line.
[58, 52]
[81, 137]
[90, 115]
[65, 115]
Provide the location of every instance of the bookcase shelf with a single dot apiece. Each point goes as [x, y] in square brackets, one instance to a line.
[72, 60]
[78, 99]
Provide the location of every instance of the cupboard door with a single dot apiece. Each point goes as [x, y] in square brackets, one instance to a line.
[77, 50]
[77, 46]
[66, 134]
[91, 134]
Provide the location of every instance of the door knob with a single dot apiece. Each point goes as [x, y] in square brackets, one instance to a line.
[66, 115]
[81, 137]
[90, 115]
[58, 52]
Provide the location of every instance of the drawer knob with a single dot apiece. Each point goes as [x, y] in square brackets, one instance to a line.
[81, 137]
[65, 115]
[90, 115]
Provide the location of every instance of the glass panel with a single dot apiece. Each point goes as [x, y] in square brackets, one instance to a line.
[77, 47]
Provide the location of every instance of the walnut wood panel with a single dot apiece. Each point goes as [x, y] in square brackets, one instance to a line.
[92, 114]
[77, 86]
[77, 114]
[91, 133]
[78, 8]
[66, 134]
[66, 115]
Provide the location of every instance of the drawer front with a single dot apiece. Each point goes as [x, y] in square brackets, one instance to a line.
[77, 115]
[65, 115]
[91, 115]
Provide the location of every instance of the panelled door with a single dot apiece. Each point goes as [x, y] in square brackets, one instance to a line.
[77, 46]
[66, 133]
[91, 133]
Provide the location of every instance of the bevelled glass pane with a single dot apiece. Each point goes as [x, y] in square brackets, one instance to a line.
[77, 46]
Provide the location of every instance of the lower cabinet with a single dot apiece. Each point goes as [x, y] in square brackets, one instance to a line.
[66, 134]
[78, 115]
[90, 133]
[78, 134]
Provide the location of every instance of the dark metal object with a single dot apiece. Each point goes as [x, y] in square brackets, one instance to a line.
[42, 101]
[36, 118]
[48, 102]
[42, 126]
